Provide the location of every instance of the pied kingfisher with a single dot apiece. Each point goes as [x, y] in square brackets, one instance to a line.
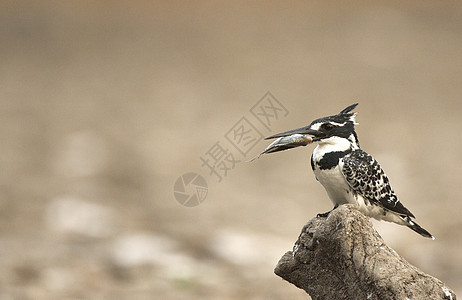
[349, 174]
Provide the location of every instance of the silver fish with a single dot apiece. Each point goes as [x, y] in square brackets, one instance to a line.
[286, 142]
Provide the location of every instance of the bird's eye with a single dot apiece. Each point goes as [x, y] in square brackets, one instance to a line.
[328, 126]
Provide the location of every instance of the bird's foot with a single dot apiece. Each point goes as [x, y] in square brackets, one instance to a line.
[324, 215]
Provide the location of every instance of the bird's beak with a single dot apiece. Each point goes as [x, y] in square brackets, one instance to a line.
[302, 130]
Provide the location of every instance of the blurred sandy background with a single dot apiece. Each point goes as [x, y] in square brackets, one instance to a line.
[104, 104]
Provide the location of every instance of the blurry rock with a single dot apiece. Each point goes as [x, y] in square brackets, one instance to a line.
[72, 215]
[58, 278]
[140, 249]
[25, 273]
[243, 248]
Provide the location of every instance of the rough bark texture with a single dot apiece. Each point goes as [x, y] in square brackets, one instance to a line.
[343, 257]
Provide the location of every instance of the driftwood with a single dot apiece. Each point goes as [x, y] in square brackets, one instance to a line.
[343, 257]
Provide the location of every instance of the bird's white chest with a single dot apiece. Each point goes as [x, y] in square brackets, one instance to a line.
[332, 179]
[335, 185]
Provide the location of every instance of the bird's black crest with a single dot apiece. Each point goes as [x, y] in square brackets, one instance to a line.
[344, 116]
[348, 109]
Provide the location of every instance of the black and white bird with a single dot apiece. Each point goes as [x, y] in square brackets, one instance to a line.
[349, 174]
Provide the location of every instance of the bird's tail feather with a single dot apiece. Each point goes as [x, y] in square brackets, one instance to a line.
[416, 227]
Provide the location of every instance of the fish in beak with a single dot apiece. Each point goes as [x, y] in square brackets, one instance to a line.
[285, 142]
[306, 130]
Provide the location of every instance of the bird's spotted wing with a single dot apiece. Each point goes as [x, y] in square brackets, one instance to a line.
[365, 176]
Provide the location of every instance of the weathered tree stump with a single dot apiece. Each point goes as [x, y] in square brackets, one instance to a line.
[343, 257]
